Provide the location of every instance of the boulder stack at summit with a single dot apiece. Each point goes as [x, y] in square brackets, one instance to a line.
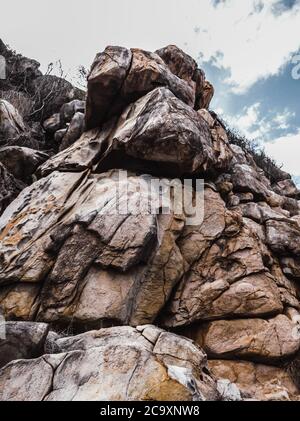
[137, 305]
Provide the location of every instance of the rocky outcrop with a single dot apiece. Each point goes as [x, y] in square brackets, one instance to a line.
[121, 363]
[76, 221]
[119, 76]
[83, 247]
[158, 133]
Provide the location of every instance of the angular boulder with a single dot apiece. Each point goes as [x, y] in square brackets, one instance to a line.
[74, 131]
[251, 339]
[158, 133]
[113, 364]
[22, 340]
[11, 123]
[119, 76]
[22, 162]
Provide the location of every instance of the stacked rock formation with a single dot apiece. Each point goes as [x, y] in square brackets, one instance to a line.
[131, 305]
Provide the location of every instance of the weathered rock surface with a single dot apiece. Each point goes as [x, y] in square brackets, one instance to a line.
[158, 131]
[21, 162]
[113, 364]
[257, 381]
[11, 123]
[119, 76]
[76, 220]
[23, 340]
[74, 131]
[286, 188]
[257, 339]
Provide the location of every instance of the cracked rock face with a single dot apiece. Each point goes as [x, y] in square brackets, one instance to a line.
[119, 363]
[21, 162]
[130, 260]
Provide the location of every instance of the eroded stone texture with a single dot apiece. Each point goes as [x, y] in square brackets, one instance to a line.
[286, 188]
[257, 381]
[283, 236]
[65, 231]
[11, 123]
[21, 162]
[20, 301]
[105, 81]
[74, 131]
[180, 63]
[113, 364]
[66, 258]
[255, 339]
[228, 277]
[119, 76]
[22, 340]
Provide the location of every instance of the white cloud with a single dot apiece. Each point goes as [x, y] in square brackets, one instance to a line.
[249, 123]
[281, 120]
[246, 121]
[252, 44]
[255, 125]
[286, 150]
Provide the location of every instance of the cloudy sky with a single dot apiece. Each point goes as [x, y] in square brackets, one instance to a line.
[249, 49]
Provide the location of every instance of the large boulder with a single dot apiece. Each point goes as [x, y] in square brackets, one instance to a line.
[269, 340]
[119, 76]
[206, 96]
[286, 188]
[74, 131]
[11, 122]
[22, 340]
[158, 134]
[69, 109]
[180, 63]
[283, 236]
[227, 276]
[113, 364]
[21, 162]
[105, 81]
